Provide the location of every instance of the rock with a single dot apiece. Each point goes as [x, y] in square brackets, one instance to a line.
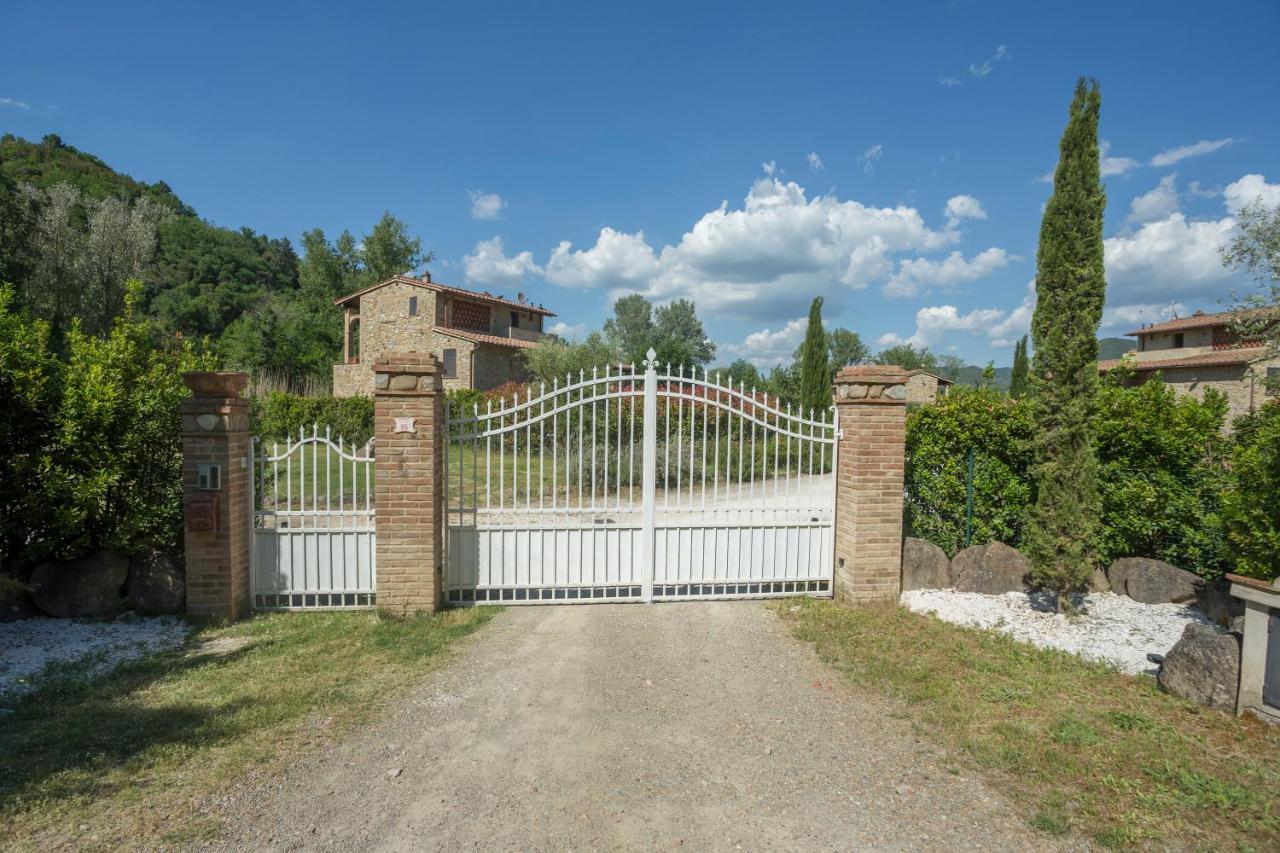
[1098, 581]
[924, 566]
[1215, 600]
[16, 604]
[1204, 667]
[89, 586]
[992, 569]
[394, 772]
[157, 583]
[1152, 581]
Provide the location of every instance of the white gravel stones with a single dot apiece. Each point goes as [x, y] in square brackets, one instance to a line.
[28, 646]
[1110, 628]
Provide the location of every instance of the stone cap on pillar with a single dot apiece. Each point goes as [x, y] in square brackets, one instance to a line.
[406, 373]
[216, 383]
[217, 402]
[871, 383]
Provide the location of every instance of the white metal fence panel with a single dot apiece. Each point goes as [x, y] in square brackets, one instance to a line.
[638, 486]
[313, 524]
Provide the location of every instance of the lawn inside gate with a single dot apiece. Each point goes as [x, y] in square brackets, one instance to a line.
[1080, 747]
[134, 756]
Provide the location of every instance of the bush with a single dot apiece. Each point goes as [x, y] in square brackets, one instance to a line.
[1161, 474]
[95, 440]
[939, 437]
[279, 416]
[1251, 505]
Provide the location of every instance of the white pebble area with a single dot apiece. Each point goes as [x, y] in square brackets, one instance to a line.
[1110, 628]
[28, 646]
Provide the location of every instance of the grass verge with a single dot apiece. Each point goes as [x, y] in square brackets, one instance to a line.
[131, 756]
[1080, 747]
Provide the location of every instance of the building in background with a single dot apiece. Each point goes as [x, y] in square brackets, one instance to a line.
[477, 336]
[925, 387]
[1203, 351]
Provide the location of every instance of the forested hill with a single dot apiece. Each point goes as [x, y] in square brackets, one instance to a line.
[261, 306]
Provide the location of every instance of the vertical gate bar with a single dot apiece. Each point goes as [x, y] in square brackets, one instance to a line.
[253, 516]
[754, 409]
[617, 477]
[288, 478]
[555, 442]
[679, 433]
[542, 442]
[715, 457]
[502, 451]
[811, 442]
[791, 425]
[777, 405]
[605, 459]
[631, 449]
[473, 426]
[742, 430]
[693, 419]
[528, 448]
[328, 474]
[649, 464]
[594, 389]
[342, 467]
[706, 411]
[582, 379]
[315, 446]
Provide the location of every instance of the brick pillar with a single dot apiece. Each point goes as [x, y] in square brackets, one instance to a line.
[408, 428]
[218, 529]
[871, 405]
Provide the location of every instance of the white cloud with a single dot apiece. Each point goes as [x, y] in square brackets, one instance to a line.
[1122, 318]
[569, 331]
[1249, 189]
[933, 323]
[1158, 203]
[617, 260]
[949, 81]
[815, 162]
[1168, 258]
[489, 264]
[986, 66]
[486, 205]
[1018, 321]
[913, 273]
[1112, 165]
[964, 207]
[870, 157]
[768, 347]
[1205, 146]
[14, 102]
[770, 168]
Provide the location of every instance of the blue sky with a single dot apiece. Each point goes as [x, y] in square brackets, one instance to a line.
[885, 156]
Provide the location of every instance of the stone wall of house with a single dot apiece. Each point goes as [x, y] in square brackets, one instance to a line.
[385, 324]
[352, 380]
[496, 365]
[437, 342]
[1164, 341]
[922, 388]
[1242, 384]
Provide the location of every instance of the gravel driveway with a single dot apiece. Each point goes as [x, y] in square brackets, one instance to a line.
[628, 726]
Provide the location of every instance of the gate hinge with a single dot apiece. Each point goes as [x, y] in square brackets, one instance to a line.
[839, 434]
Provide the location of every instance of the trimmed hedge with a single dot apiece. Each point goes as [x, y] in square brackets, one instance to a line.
[278, 415]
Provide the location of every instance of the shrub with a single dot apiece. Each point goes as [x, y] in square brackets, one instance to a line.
[939, 438]
[1161, 473]
[1251, 505]
[279, 416]
[463, 401]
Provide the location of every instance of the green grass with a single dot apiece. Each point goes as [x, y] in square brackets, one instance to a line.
[130, 755]
[1079, 747]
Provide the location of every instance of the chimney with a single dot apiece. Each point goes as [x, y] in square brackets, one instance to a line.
[426, 276]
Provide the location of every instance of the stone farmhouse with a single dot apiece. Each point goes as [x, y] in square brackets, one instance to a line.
[1202, 351]
[477, 336]
[924, 387]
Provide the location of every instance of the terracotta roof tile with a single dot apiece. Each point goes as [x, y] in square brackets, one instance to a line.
[1194, 321]
[477, 295]
[1208, 359]
[482, 338]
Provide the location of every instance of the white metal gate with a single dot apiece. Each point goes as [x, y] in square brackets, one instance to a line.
[313, 525]
[638, 486]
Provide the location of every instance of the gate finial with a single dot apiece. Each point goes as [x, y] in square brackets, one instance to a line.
[650, 358]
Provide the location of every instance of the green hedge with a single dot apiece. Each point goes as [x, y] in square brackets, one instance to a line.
[1251, 506]
[278, 415]
[1162, 467]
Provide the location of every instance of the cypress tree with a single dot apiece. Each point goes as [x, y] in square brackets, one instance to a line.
[815, 373]
[1021, 367]
[1070, 289]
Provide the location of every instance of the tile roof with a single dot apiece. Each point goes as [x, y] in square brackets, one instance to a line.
[428, 284]
[1198, 320]
[1243, 355]
[482, 338]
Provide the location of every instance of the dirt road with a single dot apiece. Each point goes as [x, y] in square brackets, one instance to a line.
[702, 725]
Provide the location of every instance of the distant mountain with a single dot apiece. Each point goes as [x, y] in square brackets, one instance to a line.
[1113, 347]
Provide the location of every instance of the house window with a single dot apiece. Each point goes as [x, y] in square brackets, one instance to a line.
[515, 319]
[413, 306]
[1177, 341]
[451, 364]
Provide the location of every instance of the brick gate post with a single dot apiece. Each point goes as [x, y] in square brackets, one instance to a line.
[871, 405]
[215, 493]
[408, 429]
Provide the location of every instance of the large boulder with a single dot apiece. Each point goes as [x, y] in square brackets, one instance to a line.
[993, 569]
[1152, 581]
[924, 565]
[89, 586]
[1215, 601]
[1204, 667]
[157, 583]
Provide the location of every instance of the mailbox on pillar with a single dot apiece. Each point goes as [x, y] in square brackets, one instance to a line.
[202, 507]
